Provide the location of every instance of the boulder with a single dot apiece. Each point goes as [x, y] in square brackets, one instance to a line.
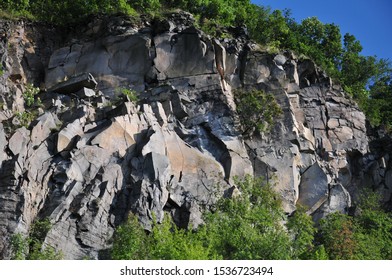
[388, 179]
[313, 189]
[75, 83]
[42, 130]
[67, 136]
[86, 93]
[19, 140]
[118, 137]
[182, 54]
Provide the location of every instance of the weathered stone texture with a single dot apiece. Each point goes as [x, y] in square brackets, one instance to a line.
[92, 156]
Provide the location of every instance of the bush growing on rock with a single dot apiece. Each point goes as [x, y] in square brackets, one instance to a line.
[257, 110]
[129, 94]
[29, 95]
[31, 247]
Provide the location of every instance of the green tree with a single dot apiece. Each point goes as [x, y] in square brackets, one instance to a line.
[38, 232]
[165, 242]
[31, 247]
[379, 104]
[145, 6]
[168, 242]
[248, 225]
[19, 247]
[302, 231]
[373, 228]
[337, 236]
[272, 29]
[130, 241]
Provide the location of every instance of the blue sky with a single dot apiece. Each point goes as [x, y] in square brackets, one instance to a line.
[369, 21]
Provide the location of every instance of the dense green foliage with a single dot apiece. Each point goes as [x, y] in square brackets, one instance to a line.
[31, 247]
[364, 236]
[257, 110]
[62, 12]
[252, 225]
[302, 231]
[248, 226]
[165, 242]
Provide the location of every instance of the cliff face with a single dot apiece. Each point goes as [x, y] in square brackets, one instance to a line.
[90, 157]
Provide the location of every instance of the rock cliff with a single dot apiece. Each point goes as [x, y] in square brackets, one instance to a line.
[88, 155]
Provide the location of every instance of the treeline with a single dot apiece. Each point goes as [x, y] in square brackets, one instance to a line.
[366, 78]
[252, 226]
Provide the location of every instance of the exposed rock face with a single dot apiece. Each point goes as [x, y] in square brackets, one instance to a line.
[92, 157]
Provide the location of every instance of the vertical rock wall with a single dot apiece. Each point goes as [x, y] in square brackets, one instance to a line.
[92, 156]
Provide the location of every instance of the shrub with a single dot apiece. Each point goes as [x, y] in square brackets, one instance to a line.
[129, 94]
[25, 118]
[29, 95]
[165, 241]
[337, 235]
[373, 228]
[249, 226]
[245, 227]
[257, 110]
[168, 242]
[146, 6]
[130, 241]
[302, 231]
[31, 247]
[19, 247]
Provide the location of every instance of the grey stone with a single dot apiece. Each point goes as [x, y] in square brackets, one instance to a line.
[75, 83]
[42, 130]
[19, 140]
[339, 200]
[313, 189]
[182, 54]
[3, 143]
[333, 123]
[280, 60]
[86, 93]
[67, 136]
[118, 137]
[179, 110]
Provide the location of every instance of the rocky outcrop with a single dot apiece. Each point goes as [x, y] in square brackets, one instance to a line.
[92, 156]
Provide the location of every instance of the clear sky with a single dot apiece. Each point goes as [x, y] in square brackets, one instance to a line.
[370, 21]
